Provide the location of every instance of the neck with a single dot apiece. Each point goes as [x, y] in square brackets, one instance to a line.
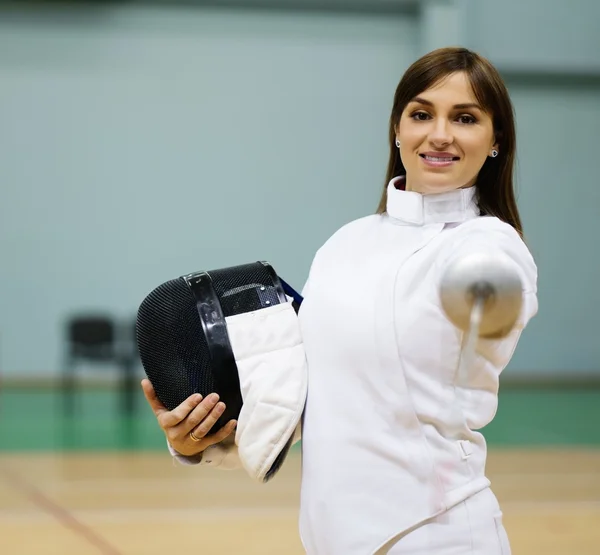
[415, 208]
[430, 189]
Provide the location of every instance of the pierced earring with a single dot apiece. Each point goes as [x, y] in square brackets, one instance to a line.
[494, 153]
[397, 143]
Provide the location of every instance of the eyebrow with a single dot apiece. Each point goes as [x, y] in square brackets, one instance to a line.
[466, 106]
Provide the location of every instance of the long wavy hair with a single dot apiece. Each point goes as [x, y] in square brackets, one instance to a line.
[494, 185]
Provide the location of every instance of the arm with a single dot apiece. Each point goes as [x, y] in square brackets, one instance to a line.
[223, 455]
[490, 236]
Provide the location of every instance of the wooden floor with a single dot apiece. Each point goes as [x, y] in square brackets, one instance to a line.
[143, 504]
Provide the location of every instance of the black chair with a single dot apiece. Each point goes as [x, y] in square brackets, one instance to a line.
[130, 360]
[98, 338]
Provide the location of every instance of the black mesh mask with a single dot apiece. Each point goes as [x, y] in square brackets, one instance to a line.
[182, 334]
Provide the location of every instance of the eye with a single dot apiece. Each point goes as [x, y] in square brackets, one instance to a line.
[420, 116]
[466, 119]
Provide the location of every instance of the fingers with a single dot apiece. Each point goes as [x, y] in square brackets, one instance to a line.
[203, 410]
[172, 418]
[208, 420]
[195, 414]
[207, 413]
[223, 433]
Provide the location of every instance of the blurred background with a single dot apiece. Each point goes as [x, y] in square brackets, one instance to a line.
[142, 140]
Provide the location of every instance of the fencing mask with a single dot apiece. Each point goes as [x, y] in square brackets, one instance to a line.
[233, 331]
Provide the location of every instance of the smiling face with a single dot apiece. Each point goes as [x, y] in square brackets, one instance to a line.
[445, 137]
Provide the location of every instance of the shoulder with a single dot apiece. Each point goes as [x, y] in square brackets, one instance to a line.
[488, 233]
[491, 230]
[488, 224]
[351, 230]
[356, 226]
[340, 241]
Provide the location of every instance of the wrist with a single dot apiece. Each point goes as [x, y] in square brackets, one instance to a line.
[191, 457]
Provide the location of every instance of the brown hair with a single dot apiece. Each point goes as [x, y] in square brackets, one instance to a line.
[494, 186]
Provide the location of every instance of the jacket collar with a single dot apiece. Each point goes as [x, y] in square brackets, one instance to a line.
[410, 207]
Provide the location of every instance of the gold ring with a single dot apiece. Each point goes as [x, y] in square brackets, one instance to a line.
[194, 437]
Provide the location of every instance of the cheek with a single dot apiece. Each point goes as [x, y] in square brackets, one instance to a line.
[476, 147]
[410, 138]
[475, 156]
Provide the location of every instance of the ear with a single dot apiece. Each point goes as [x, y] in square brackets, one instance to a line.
[496, 139]
[396, 132]
[495, 146]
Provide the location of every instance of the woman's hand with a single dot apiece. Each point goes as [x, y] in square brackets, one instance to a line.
[186, 426]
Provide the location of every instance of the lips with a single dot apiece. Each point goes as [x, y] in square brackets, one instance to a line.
[439, 157]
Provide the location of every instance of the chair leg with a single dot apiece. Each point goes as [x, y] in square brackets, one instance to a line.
[68, 386]
[129, 386]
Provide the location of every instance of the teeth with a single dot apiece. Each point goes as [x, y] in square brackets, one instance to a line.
[435, 159]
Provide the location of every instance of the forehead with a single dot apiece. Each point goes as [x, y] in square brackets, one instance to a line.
[454, 88]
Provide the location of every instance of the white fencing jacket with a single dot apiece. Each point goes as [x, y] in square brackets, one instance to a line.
[389, 430]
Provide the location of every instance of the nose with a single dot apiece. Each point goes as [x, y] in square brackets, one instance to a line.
[440, 135]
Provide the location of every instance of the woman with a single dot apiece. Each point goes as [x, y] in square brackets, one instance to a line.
[392, 461]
